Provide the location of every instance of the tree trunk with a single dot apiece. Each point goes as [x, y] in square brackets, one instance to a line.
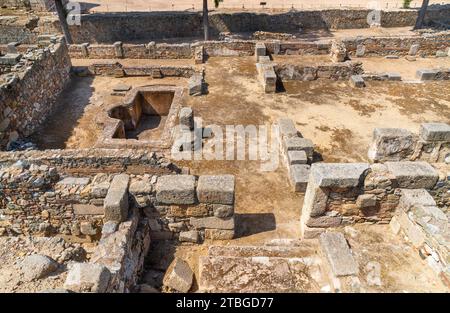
[205, 20]
[421, 17]
[63, 21]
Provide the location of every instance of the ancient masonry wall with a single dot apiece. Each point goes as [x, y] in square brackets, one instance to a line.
[340, 194]
[36, 5]
[30, 91]
[432, 144]
[37, 198]
[109, 28]
[427, 45]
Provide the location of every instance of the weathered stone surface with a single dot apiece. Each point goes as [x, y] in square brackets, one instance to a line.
[415, 197]
[195, 85]
[392, 144]
[287, 251]
[341, 175]
[219, 234]
[366, 201]
[264, 59]
[413, 175]
[260, 50]
[338, 52]
[212, 222]
[299, 176]
[338, 254]
[394, 76]
[74, 181]
[109, 228]
[116, 202]
[223, 210]
[87, 277]
[176, 189]
[253, 274]
[189, 236]
[297, 157]
[299, 144]
[87, 228]
[426, 74]
[413, 49]
[360, 50]
[179, 276]
[88, 209]
[216, 189]
[357, 81]
[287, 128]
[10, 59]
[324, 221]
[413, 231]
[37, 266]
[435, 132]
[315, 202]
[121, 88]
[187, 117]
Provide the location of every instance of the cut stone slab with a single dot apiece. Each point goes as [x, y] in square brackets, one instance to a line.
[415, 197]
[324, 221]
[303, 250]
[426, 74]
[264, 59]
[116, 202]
[219, 234]
[299, 176]
[87, 277]
[394, 76]
[391, 144]
[287, 128]
[254, 274]
[121, 88]
[223, 210]
[342, 175]
[366, 201]
[212, 222]
[435, 132]
[297, 157]
[195, 85]
[357, 81]
[413, 175]
[10, 59]
[179, 276]
[299, 144]
[74, 181]
[217, 189]
[176, 189]
[37, 266]
[260, 50]
[189, 236]
[338, 254]
[187, 118]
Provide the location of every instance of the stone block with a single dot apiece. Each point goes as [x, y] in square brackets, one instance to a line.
[195, 85]
[87, 277]
[118, 49]
[413, 231]
[441, 54]
[413, 49]
[186, 117]
[88, 209]
[217, 189]
[366, 201]
[175, 189]
[338, 254]
[189, 236]
[199, 53]
[73, 181]
[109, 228]
[223, 210]
[392, 144]
[37, 266]
[413, 175]
[415, 197]
[88, 228]
[219, 234]
[260, 50]
[357, 81]
[360, 50]
[264, 59]
[315, 201]
[179, 276]
[426, 74]
[324, 221]
[10, 59]
[435, 132]
[340, 175]
[287, 128]
[311, 232]
[116, 202]
[299, 144]
[212, 222]
[394, 76]
[297, 157]
[299, 176]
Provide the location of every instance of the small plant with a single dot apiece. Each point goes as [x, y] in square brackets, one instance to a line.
[406, 4]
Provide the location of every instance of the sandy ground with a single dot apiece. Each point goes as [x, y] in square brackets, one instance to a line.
[144, 5]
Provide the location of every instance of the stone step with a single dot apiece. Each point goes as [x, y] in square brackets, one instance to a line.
[259, 274]
[262, 251]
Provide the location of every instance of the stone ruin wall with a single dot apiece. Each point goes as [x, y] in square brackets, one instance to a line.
[36, 5]
[30, 93]
[66, 192]
[109, 28]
